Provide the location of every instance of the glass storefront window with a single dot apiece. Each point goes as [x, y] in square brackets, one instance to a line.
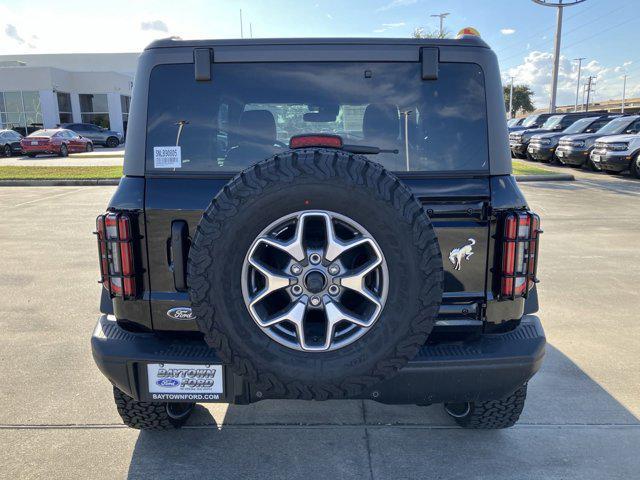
[125, 103]
[94, 109]
[64, 107]
[21, 111]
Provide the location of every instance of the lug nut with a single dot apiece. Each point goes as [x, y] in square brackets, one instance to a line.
[296, 269]
[334, 290]
[314, 258]
[296, 290]
[334, 269]
[315, 301]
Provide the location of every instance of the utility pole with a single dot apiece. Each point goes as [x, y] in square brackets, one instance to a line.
[560, 5]
[624, 91]
[441, 16]
[579, 60]
[511, 99]
[584, 93]
[250, 30]
[589, 90]
[241, 32]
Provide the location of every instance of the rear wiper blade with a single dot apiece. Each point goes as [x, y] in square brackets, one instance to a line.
[366, 149]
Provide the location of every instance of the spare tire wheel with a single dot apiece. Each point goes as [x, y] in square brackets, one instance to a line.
[315, 274]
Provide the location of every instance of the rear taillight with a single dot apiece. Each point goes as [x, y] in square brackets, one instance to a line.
[115, 247]
[315, 140]
[519, 254]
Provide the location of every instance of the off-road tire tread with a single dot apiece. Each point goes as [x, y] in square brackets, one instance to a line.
[495, 414]
[322, 164]
[143, 415]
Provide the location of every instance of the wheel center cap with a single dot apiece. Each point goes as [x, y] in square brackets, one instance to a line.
[315, 281]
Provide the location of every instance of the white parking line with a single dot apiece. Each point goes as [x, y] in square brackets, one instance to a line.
[45, 198]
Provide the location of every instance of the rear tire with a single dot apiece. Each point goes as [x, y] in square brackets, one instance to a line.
[151, 415]
[491, 414]
[89, 147]
[64, 151]
[635, 167]
[529, 157]
[7, 151]
[112, 142]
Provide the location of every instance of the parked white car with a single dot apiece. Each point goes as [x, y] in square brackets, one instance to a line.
[617, 153]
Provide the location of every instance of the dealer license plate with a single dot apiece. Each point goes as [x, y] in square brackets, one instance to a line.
[176, 381]
[34, 142]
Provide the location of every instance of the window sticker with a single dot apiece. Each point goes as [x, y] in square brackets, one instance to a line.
[167, 157]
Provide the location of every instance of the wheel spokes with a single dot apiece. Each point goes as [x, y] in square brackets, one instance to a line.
[273, 281]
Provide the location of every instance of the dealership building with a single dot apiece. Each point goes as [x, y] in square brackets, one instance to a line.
[45, 90]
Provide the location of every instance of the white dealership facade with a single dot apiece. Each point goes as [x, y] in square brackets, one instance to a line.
[45, 90]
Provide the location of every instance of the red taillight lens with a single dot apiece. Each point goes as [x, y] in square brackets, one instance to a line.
[519, 254]
[306, 141]
[115, 243]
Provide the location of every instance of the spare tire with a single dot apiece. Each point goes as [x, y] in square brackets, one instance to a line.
[315, 274]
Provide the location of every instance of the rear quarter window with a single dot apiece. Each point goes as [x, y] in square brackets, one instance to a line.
[248, 112]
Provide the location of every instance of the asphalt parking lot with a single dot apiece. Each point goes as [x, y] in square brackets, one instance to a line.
[582, 419]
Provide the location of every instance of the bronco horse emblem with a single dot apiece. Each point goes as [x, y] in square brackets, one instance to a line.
[457, 254]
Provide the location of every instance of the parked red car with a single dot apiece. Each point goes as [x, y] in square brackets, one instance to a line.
[58, 141]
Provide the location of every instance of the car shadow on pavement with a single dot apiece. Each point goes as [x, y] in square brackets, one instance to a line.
[567, 419]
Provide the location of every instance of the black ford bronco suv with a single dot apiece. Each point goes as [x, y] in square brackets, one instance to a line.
[318, 219]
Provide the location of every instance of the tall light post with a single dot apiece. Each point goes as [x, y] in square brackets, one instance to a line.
[579, 60]
[442, 17]
[624, 91]
[560, 5]
[511, 99]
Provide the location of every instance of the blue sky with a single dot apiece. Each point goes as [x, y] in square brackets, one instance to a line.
[521, 32]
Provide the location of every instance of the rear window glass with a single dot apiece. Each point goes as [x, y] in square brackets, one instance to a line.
[248, 112]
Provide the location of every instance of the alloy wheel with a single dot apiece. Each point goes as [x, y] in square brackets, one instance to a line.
[315, 281]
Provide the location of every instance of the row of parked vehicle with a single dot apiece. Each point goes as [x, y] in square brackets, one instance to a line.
[69, 138]
[597, 140]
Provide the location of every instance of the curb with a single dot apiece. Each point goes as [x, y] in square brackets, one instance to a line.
[556, 177]
[59, 183]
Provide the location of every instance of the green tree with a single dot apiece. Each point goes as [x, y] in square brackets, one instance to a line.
[522, 96]
[420, 32]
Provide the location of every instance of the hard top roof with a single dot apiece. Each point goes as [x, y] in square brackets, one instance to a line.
[463, 41]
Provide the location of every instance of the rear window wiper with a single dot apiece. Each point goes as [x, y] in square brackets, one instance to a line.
[367, 149]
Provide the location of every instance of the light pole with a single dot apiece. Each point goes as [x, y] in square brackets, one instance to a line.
[560, 4]
[575, 108]
[511, 99]
[441, 16]
[624, 91]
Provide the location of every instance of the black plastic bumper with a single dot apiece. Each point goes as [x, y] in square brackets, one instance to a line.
[541, 153]
[491, 367]
[615, 163]
[572, 157]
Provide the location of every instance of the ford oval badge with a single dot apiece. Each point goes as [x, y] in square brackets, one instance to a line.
[168, 382]
[180, 313]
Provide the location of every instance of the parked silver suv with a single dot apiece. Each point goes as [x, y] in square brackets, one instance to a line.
[98, 135]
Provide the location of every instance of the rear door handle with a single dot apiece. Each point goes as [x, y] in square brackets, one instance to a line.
[179, 253]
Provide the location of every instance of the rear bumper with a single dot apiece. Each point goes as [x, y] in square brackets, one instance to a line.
[491, 367]
[40, 149]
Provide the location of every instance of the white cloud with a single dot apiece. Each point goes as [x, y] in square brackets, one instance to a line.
[12, 32]
[389, 26]
[395, 4]
[157, 25]
[329, 16]
[535, 71]
[507, 31]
